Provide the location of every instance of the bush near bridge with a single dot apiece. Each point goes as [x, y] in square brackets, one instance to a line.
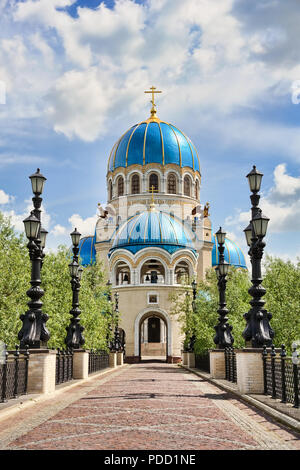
[282, 283]
[57, 300]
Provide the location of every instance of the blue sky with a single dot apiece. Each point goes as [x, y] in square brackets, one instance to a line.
[75, 73]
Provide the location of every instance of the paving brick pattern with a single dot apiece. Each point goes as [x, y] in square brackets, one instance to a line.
[155, 406]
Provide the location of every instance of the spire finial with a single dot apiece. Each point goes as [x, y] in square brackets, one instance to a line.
[152, 205]
[153, 109]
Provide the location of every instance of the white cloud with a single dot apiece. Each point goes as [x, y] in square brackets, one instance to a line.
[79, 90]
[281, 204]
[13, 158]
[84, 226]
[58, 230]
[205, 55]
[5, 198]
[18, 217]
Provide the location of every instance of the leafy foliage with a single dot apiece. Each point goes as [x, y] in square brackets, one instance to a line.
[282, 283]
[57, 300]
[14, 281]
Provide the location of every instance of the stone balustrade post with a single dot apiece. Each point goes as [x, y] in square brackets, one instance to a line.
[41, 371]
[80, 364]
[217, 363]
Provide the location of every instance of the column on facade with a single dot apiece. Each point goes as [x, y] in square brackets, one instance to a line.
[172, 276]
[163, 184]
[193, 188]
[180, 189]
[144, 184]
[146, 331]
[127, 186]
[162, 331]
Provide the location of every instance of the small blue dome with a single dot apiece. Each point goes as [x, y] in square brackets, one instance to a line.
[233, 254]
[87, 252]
[153, 141]
[153, 228]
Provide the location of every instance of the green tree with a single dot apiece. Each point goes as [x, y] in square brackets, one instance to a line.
[205, 316]
[57, 299]
[14, 281]
[282, 282]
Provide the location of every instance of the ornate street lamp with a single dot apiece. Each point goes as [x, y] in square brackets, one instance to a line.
[190, 336]
[116, 341]
[258, 332]
[74, 338]
[223, 338]
[37, 184]
[109, 335]
[34, 332]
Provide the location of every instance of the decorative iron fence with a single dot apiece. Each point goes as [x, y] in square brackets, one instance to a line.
[98, 360]
[64, 366]
[230, 365]
[202, 361]
[281, 376]
[14, 374]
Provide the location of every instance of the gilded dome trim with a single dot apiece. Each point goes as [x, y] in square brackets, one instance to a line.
[180, 159]
[131, 135]
[144, 144]
[144, 147]
[162, 144]
[187, 139]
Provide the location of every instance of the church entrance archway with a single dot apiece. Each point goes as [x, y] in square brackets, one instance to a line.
[153, 337]
[154, 325]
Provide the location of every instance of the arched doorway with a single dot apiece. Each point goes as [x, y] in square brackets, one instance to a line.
[153, 338]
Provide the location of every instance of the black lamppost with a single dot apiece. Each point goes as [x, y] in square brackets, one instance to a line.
[223, 338]
[74, 338]
[117, 343]
[258, 331]
[109, 333]
[34, 332]
[193, 337]
[190, 336]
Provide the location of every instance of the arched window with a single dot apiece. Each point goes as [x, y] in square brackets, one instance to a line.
[187, 186]
[110, 190]
[182, 273]
[197, 190]
[153, 181]
[135, 184]
[122, 272]
[120, 186]
[152, 272]
[172, 184]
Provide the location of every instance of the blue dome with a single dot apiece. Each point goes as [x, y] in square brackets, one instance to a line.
[153, 228]
[153, 141]
[233, 254]
[87, 252]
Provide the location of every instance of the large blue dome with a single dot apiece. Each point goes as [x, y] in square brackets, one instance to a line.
[153, 228]
[153, 141]
[233, 254]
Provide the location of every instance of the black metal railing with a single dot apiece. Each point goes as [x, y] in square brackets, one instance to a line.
[98, 360]
[230, 365]
[64, 366]
[13, 374]
[281, 376]
[202, 362]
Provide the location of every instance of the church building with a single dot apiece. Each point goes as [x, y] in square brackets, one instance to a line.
[154, 236]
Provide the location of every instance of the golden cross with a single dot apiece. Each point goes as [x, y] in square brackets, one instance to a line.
[152, 191]
[153, 91]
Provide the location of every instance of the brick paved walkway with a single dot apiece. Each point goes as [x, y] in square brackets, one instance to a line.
[151, 406]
